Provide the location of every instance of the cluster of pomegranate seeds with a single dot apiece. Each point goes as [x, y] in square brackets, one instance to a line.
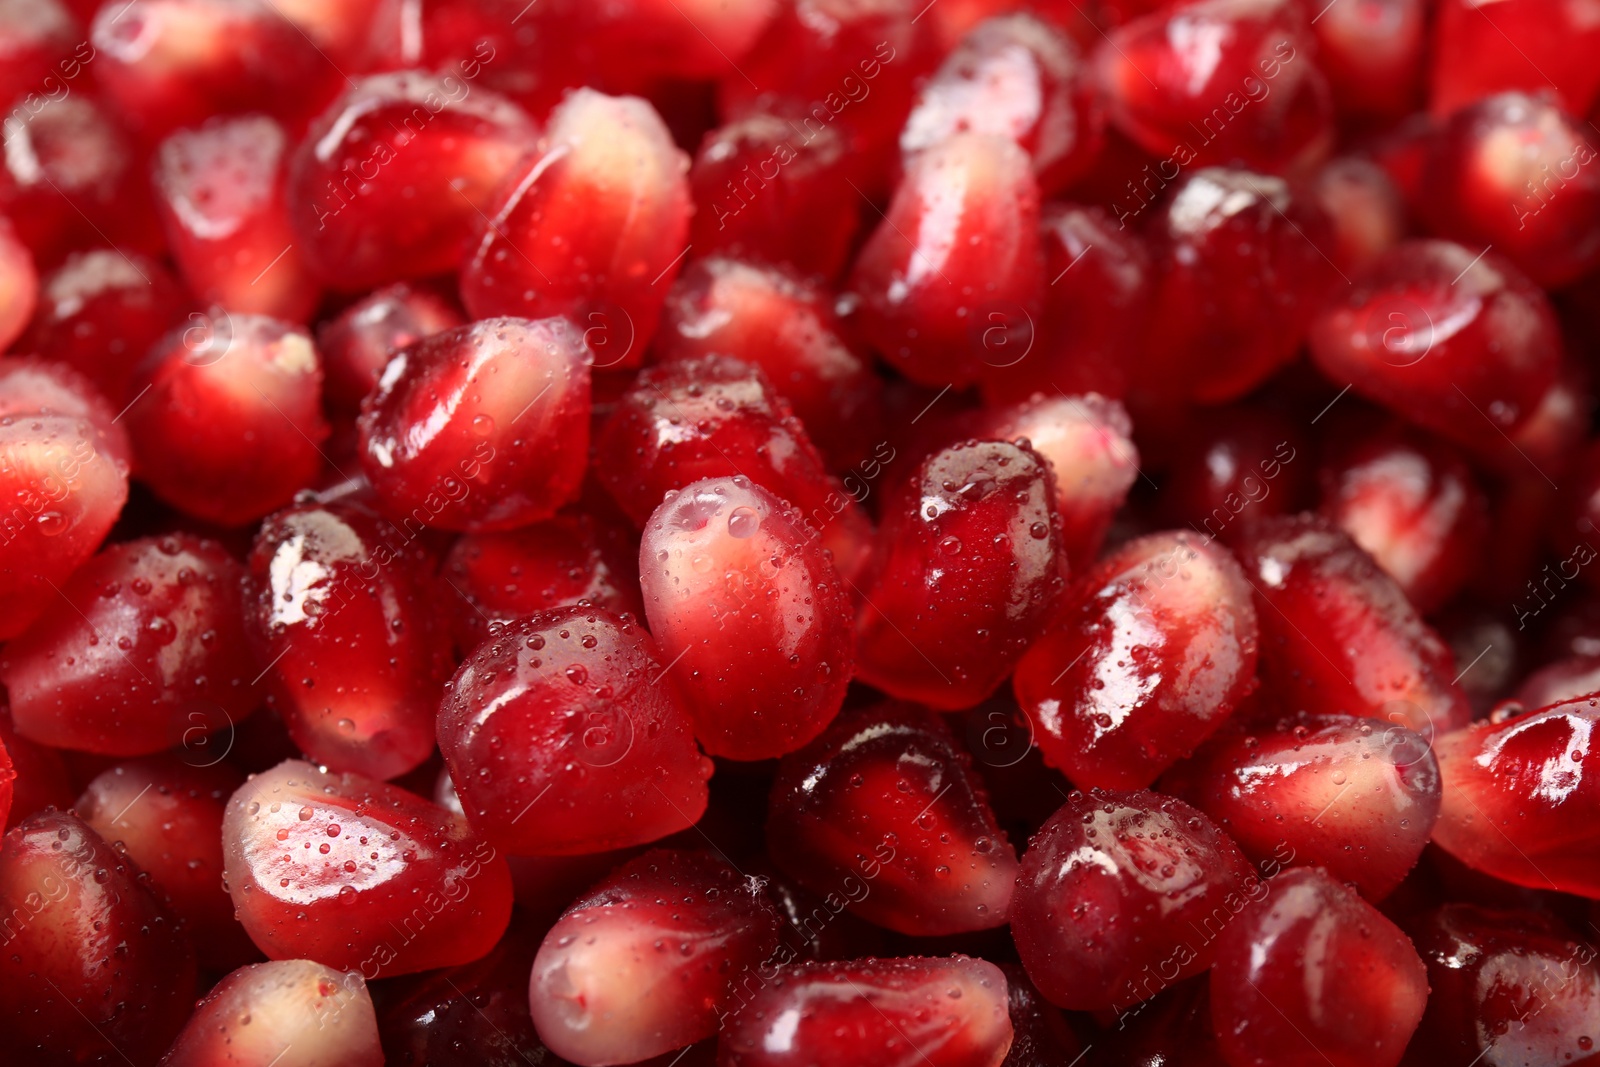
[799, 533]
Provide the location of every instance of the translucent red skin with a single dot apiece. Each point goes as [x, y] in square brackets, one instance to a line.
[1523, 45]
[1372, 53]
[761, 652]
[885, 811]
[1021, 77]
[1232, 467]
[1558, 682]
[19, 285]
[718, 417]
[1357, 797]
[84, 922]
[955, 598]
[1514, 773]
[8, 777]
[563, 737]
[886, 1013]
[1161, 640]
[1364, 205]
[1442, 338]
[142, 651]
[593, 227]
[951, 280]
[39, 777]
[505, 403]
[1315, 975]
[391, 178]
[31, 386]
[1121, 895]
[357, 343]
[342, 613]
[1338, 635]
[1040, 1034]
[437, 896]
[1517, 982]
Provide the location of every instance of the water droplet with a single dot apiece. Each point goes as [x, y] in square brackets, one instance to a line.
[743, 523]
[306, 813]
[951, 546]
[483, 425]
[51, 523]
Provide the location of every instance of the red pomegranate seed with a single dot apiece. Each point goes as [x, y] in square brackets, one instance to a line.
[1339, 636]
[718, 417]
[1232, 467]
[36, 35]
[220, 193]
[39, 779]
[359, 875]
[1521, 44]
[94, 969]
[8, 777]
[1172, 1028]
[342, 610]
[358, 343]
[480, 427]
[593, 227]
[165, 814]
[884, 1013]
[1020, 77]
[1217, 81]
[1357, 797]
[30, 386]
[19, 285]
[1042, 1037]
[967, 570]
[1562, 681]
[768, 188]
[1508, 986]
[1151, 654]
[225, 416]
[339, 28]
[1373, 53]
[751, 617]
[773, 319]
[1121, 895]
[142, 650]
[884, 810]
[1521, 773]
[100, 312]
[1315, 974]
[1455, 340]
[643, 40]
[171, 63]
[950, 282]
[287, 1013]
[566, 716]
[647, 961]
[1365, 207]
[379, 190]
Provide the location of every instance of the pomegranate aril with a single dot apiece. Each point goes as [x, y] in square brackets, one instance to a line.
[593, 227]
[1118, 898]
[358, 343]
[285, 1013]
[30, 386]
[951, 281]
[967, 570]
[359, 875]
[1529, 45]
[562, 736]
[36, 36]
[1313, 974]
[1559, 682]
[1041, 1036]
[95, 970]
[1232, 467]
[1364, 206]
[39, 775]
[636, 42]
[220, 194]
[392, 178]
[1339, 636]
[480, 427]
[1357, 797]
[883, 1013]
[647, 960]
[225, 416]
[1373, 54]
[1153, 650]
[752, 619]
[339, 28]
[342, 611]
[19, 285]
[886, 806]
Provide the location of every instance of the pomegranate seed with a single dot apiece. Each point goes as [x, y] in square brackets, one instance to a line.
[142, 650]
[1560, 682]
[342, 610]
[1356, 797]
[1339, 636]
[337, 27]
[1233, 467]
[220, 193]
[951, 281]
[1365, 207]
[740, 590]
[35, 35]
[31, 386]
[1313, 974]
[39, 778]
[357, 344]
[19, 285]
[480, 427]
[1119, 896]
[1042, 1037]
[649, 39]
[1372, 52]
[359, 875]
[967, 571]
[82, 922]
[1150, 655]
[887, 1013]
[1522, 44]
[604, 214]
[646, 961]
[885, 805]
[289, 1013]
[1171, 1028]
[378, 191]
[567, 710]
